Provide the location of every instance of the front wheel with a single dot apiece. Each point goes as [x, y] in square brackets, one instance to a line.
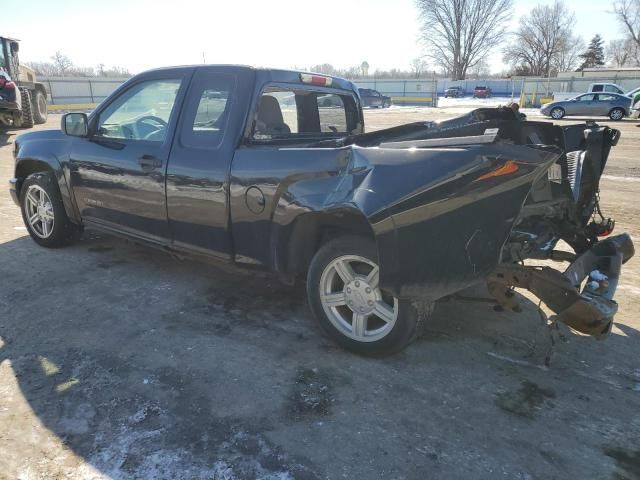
[43, 212]
[345, 296]
[616, 114]
[557, 113]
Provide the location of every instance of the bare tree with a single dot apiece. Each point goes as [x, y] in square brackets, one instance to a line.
[623, 53]
[568, 55]
[418, 66]
[628, 13]
[460, 33]
[62, 63]
[543, 42]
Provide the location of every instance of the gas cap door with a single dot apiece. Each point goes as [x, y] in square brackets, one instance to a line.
[254, 198]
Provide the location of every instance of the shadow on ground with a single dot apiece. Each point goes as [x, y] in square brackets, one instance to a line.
[149, 367]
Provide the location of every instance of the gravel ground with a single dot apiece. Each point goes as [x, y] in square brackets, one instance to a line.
[121, 362]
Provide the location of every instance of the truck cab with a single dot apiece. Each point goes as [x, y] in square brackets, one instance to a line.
[605, 88]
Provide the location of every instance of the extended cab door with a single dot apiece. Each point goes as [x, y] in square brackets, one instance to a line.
[118, 172]
[276, 175]
[214, 113]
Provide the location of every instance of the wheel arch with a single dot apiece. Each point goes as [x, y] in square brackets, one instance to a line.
[29, 166]
[295, 248]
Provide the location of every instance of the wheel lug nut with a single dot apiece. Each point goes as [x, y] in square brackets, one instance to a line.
[368, 290]
[348, 290]
[362, 309]
[370, 302]
[357, 283]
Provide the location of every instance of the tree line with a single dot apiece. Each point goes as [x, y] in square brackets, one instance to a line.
[60, 65]
[459, 35]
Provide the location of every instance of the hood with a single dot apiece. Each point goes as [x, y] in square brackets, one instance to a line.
[40, 135]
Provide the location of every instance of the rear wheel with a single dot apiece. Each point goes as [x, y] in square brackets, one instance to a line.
[557, 113]
[345, 296]
[43, 212]
[27, 111]
[616, 114]
[39, 106]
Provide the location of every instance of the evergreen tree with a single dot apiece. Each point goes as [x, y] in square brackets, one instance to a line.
[594, 54]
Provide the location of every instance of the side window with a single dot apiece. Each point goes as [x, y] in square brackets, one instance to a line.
[586, 98]
[301, 112]
[206, 110]
[606, 98]
[597, 88]
[331, 111]
[277, 114]
[140, 113]
[613, 89]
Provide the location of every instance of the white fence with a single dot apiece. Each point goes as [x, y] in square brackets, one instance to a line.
[79, 90]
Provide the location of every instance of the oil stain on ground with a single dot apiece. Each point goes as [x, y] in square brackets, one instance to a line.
[311, 395]
[527, 401]
[627, 463]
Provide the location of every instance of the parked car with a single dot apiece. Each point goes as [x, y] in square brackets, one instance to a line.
[373, 98]
[216, 161]
[454, 92]
[593, 88]
[481, 92]
[615, 106]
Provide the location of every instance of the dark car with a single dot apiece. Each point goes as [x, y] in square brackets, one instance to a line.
[481, 91]
[373, 98]
[454, 92]
[245, 166]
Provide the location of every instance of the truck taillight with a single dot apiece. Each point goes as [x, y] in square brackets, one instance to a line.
[315, 79]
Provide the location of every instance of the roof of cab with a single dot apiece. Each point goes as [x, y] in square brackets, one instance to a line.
[267, 74]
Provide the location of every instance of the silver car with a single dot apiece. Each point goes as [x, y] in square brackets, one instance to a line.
[612, 105]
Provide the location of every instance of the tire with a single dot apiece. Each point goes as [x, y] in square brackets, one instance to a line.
[557, 113]
[27, 111]
[39, 107]
[59, 230]
[616, 114]
[372, 335]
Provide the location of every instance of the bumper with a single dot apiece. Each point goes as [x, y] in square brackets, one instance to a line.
[13, 190]
[7, 105]
[635, 114]
[590, 310]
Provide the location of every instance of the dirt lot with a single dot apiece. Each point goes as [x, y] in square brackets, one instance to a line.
[122, 362]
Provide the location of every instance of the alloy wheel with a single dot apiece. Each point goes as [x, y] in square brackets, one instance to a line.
[39, 211]
[352, 300]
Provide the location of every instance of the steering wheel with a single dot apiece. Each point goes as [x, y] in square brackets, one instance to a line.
[150, 120]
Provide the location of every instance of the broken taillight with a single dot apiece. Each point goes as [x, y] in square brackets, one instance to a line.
[508, 168]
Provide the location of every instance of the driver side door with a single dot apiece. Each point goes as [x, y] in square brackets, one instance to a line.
[118, 172]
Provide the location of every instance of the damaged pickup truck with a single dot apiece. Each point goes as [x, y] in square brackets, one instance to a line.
[250, 166]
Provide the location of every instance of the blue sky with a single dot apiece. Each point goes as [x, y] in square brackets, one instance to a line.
[141, 34]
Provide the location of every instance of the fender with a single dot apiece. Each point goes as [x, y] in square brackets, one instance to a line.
[46, 150]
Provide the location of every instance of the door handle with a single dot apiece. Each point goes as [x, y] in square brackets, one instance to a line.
[149, 162]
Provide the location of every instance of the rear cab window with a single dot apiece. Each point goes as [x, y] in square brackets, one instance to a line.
[299, 113]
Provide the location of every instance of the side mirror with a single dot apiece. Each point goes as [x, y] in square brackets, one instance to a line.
[75, 124]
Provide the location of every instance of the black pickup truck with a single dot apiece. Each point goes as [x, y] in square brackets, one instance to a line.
[246, 165]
